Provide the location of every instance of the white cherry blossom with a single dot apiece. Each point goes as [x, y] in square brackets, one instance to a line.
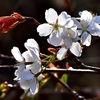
[29, 66]
[89, 26]
[54, 26]
[75, 49]
[29, 81]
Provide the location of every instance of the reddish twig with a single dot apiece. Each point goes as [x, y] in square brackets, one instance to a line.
[32, 20]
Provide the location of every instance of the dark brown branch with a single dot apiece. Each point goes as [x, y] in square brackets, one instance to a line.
[74, 93]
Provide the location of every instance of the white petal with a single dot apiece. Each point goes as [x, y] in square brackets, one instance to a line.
[79, 27]
[27, 57]
[76, 49]
[34, 53]
[32, 50]
[51, 15]
[68, 42]
[35, 67]
[17, 54]
[86, 17]
[24, 84]
[40, 77]
[86, 39]
[54, 39]
[26, 75]
[74, 33]
[44, 29]
[69, 23]
[34, 86]
[71, 33]
[61, 53]
[94, 29]
[97, 19]
[32, 43]
[20, 69]
[62, 18]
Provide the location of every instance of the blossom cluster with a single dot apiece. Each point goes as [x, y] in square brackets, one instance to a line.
[28, 66]
[65, 32]
[69, 32]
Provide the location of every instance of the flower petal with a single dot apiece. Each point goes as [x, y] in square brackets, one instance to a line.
[35, 67]
[63, 17]
[51, 15]
[26, 75]
[33, 49]
[97, 19]
[69, 23]
[32, 43]
[86, 17]
[76, 49]
[94, 29]
[44, 29]
[17, 54]
[78, 25]
[86, 39]
[24, 84]
[20, 69]
[61, 53]
[34, 86]
[40, 77]
[27, 57]
[34, 53]
[68, 42]
[54, 39]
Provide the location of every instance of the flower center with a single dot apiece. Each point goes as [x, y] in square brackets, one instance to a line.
[55, 26]
[84, 27]
[69, 32]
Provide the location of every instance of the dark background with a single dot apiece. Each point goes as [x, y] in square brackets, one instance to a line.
[24, 31]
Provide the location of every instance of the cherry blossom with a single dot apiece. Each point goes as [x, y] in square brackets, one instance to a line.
[75, 49]
[54, 27]
[29, 66]
[89, 26]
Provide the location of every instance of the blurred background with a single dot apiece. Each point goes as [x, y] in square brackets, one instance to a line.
[84, 84]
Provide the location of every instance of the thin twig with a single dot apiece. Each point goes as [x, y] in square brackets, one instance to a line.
[74, 93]
[72, 71]
[82, 65]
[32, 20]
[6, 56]
[6, 66]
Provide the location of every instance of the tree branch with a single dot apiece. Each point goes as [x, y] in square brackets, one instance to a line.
[74, 93]
[32, 20]
[72, 71]
[82, 65]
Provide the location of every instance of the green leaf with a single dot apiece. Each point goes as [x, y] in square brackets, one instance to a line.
[64, 78]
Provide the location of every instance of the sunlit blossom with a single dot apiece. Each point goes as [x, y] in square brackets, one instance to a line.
[54, 27]
[89, 26]
[29, 66]
[75, 49]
